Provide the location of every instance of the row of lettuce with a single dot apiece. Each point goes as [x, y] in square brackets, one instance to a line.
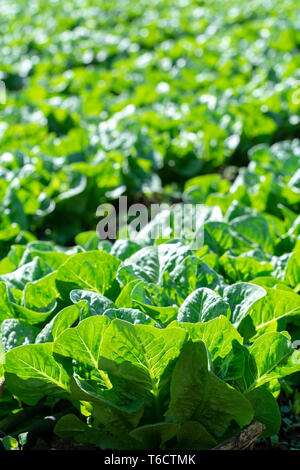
[108, 98]
[153, 342]
[156, 343]
[33, 200]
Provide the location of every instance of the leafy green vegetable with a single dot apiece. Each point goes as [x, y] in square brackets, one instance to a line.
[155, 342]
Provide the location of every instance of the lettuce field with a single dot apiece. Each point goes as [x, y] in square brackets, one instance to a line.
[136, 341]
